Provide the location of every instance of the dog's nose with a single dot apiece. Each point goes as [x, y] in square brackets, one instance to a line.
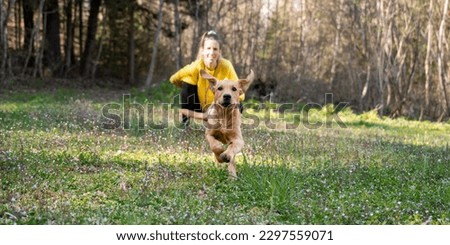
[226, 97]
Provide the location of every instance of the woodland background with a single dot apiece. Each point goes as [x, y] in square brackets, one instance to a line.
[387, 55]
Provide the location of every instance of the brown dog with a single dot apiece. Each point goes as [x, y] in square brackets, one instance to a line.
[223, 119]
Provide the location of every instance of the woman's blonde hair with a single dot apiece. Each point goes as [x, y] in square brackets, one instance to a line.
[209, 35]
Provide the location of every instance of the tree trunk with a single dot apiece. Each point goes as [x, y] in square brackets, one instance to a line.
[389, 49]
[28, 20]
[39, 53]
[131, 44]
[235, 35]
[380, 55]
[441, 64]
[17, 25]
[364, 29]
[425, 105]
[69, 52]
[89, 47]
[337, 40]
[251, 40]
[52, 48]
[96, 60]
[300, 47]
[4, 16]
[253, 32]
[177, 51]
[80, 26]
[34, 34]
[155, 47]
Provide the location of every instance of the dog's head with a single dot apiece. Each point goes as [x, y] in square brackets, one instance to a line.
[227, 92]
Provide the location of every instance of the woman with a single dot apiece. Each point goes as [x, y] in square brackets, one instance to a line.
[196, 94]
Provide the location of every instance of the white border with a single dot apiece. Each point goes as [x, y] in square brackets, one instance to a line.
[348, 235]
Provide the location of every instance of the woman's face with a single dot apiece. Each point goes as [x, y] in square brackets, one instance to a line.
[211, 53]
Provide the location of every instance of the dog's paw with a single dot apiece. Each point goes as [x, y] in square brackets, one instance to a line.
[225, 158]
[218, 158]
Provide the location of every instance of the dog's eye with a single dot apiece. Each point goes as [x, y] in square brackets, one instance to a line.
[234, 89]
[219, 88]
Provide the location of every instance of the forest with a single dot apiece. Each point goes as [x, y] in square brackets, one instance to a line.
[391, 56]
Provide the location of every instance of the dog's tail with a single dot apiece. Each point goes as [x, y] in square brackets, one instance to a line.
[194, 114]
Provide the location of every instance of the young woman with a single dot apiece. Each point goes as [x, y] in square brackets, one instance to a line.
[196, 94]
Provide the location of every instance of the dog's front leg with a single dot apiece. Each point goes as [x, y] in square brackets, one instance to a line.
[232, 169]
[234, 148]
[216, 147]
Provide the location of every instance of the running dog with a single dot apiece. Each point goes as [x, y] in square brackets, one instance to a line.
[223, 118]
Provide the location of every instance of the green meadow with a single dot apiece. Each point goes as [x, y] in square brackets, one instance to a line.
[59, 164]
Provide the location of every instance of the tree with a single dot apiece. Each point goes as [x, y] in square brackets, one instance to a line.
[28, 7]
[52, 44]
[441, 62]
[89, 47]
[70, 35]
[177, 22]
[428, 60]
[131, 43]
[5, 12]
[151, 69]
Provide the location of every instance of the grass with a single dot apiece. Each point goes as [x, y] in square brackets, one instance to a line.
[58, 165]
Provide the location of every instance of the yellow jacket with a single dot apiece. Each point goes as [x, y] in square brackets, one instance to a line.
[191, 74]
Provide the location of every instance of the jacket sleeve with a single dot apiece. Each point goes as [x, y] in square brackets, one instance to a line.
[186, 74]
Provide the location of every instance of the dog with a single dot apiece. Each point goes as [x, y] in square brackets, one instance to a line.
[223, 118]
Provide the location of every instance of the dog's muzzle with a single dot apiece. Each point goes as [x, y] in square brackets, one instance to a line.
[226, 100]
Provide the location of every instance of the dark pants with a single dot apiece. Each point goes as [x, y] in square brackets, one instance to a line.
[190, 101]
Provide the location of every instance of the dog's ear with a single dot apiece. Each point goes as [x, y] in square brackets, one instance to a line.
[245, 83]
[212, 80]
